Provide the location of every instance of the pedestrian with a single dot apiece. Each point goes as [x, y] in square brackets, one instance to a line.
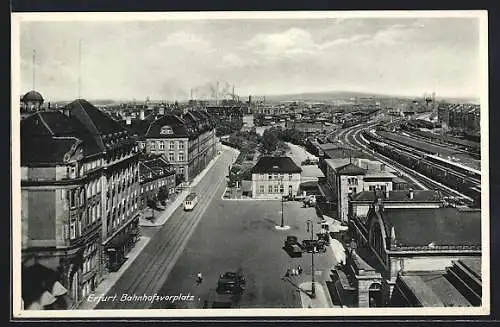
[294, 272]
[199, 278]
[299, 269]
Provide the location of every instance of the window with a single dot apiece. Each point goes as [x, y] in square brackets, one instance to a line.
[282, 189]
[181, 156]
[72, 230]
[152, 145]
[290, 177]
[171, 145]
[162, 145]
[181, 170]
[270, 176]
[261, 188]
[181, 144]
[371, 188]
[270, 189]
[171, 156]
[276, 188]
[166, 130]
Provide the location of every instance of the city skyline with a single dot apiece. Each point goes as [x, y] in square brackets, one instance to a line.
[167, 59]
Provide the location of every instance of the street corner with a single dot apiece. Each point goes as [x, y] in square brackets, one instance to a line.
[320, 298]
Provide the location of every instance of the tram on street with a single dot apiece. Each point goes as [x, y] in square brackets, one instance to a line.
[190, 201]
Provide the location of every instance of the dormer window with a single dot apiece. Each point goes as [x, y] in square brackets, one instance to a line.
[166, 130]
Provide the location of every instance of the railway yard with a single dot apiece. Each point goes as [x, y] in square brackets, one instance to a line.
[447, 164]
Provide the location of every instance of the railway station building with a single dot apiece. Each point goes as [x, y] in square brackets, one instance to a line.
[402, 247]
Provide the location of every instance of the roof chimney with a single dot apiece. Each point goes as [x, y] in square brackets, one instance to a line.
[410, 194]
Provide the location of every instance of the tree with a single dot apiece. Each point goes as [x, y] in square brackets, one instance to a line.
[162, 195]
[270, 140]
[179, 178]
[151, 203]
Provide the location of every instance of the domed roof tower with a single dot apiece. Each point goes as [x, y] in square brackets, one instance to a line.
[33, 97]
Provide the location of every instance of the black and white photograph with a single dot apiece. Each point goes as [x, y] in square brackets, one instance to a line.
[209, 164]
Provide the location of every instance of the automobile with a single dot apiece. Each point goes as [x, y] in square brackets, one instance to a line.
[233, 276]
[310, 201]
[228, 286]
[309, 245]
[293, 246]
[290, 240]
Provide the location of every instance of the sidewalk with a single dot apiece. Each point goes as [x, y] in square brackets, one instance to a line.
[322, 299]
[338, 250]
[113, 277]
[171, 207]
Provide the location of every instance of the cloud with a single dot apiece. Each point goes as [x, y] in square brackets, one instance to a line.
[291, 41]
[186, 40]
[232, 60]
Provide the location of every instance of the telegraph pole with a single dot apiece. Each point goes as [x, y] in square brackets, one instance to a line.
[79, 67]
[313, 286]
[34, 67]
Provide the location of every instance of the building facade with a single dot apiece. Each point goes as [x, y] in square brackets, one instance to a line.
[80, 190]
[396, 241]
[188, 143]
[274, 177]
[346, 177]
[156, 176]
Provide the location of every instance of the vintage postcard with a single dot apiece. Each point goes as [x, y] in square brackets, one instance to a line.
[250, 164]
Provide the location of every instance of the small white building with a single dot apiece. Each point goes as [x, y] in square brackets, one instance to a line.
[273, 177]
[346, 177]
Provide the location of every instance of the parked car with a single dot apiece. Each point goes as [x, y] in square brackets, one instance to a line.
[310, 201]
[293, 246]
[231, 283]
[309, 245]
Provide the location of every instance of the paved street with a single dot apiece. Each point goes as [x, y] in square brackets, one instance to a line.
[237, 235]
[226, 236]
[299, 154]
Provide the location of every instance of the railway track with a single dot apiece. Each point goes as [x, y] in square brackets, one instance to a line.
[353, 137]
[421, 155]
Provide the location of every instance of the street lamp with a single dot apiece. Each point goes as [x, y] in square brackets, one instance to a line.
[313, 286]
[282, 225]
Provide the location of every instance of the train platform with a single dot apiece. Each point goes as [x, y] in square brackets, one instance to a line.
[445, 153]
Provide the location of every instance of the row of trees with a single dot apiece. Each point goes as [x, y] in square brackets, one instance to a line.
[224, 127]
[273, 137]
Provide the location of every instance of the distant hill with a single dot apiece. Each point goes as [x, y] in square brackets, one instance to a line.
[319, 96]
[346, 95]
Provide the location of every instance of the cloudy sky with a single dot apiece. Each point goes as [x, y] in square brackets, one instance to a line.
[165, 59]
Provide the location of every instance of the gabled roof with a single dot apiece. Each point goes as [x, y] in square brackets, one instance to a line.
[46, 136]
[105, 131]
[177, 124]
[351, 170]
[283, 165]
[89, 114]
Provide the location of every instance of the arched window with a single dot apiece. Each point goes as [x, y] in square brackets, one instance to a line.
[376, 241]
